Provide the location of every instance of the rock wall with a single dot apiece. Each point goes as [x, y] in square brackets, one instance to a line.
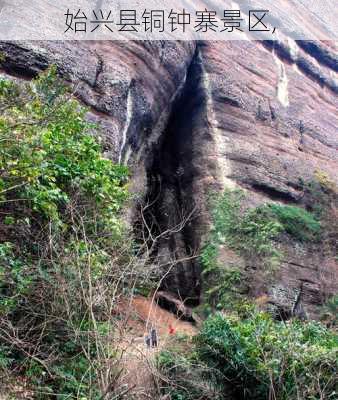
[194, 117]
[272, 114]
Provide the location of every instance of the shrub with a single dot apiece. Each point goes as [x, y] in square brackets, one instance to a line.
[265, 359]
[47, 154]
[16, 277]
[184, 374]
[253, 234]
[321, 198]
[297, 222]
[250, 233]
[330, 312]
[60, 250]
[225, 287]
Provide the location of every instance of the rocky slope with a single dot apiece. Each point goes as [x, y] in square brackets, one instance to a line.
[194, 117]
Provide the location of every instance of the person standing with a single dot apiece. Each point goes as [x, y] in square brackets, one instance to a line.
[147, 340]
[154, 339]
[171, 330]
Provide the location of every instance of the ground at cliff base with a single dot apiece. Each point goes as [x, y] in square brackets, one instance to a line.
[140, 377]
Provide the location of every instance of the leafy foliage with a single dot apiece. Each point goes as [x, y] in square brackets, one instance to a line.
[253, 234]
[185, 375]
[16, 279]
[297, 222]
[60, 241]
[320, 194]
[330, 311]
[46, 152]
[248, 355]
[263, 358]
[250, 233]
[321, 198]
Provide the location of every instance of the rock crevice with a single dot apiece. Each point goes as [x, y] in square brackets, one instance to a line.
[191, 118]
[171, 176]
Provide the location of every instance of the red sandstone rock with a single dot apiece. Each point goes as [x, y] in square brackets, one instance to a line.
[189, 118]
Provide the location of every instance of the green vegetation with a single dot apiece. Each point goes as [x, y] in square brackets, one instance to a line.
[255, 357]
[321, 194]
[250, 233]
[243, 353]
[240, 231]
[330, 312]
[268, 359]
[254, 235]
[47, 153]
[185, 377]
[66, 258]
[321, 198]
[297, 222]
[60, 243]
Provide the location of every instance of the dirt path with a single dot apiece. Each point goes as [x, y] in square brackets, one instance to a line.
[161, 319]
[139, 378]
[138, 360]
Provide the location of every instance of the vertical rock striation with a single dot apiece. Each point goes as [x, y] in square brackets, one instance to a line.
[190, 118]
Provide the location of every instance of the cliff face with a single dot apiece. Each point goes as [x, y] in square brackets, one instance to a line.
[194, 117]
[271, 113]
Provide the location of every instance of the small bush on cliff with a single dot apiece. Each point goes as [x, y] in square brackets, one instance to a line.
[251, 233]
[60, 242]
[321, 198]
[297, 222]
[330, 312]
[320, 194]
